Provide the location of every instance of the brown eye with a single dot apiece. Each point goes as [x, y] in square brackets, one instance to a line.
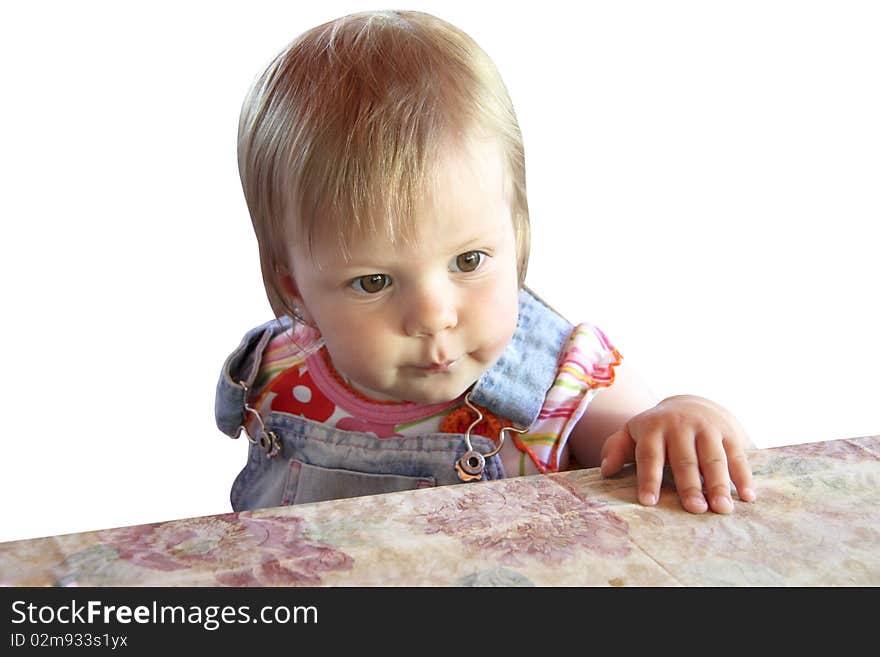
[469, 261]
[371, 284]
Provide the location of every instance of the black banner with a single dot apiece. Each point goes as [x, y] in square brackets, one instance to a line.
[140, 620]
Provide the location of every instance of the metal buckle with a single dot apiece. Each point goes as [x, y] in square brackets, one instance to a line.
[472, 463]
[267, 441]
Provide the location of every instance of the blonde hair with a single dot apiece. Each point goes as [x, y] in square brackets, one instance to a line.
[342, 131]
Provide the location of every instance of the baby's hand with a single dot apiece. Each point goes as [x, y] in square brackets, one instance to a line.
[697, 437]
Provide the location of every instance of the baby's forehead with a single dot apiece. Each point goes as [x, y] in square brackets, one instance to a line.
[468, 180]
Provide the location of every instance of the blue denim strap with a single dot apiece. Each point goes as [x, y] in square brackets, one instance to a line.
[242, 365]
[516, 385]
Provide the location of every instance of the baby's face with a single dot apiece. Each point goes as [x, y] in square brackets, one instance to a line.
[421, 322]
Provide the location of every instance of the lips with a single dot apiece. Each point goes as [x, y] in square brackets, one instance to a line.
[438, 367]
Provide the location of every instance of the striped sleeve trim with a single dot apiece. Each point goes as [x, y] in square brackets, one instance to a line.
[587, 365]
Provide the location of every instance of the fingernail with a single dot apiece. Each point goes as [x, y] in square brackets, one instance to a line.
[648, 499]
[697, 502]
[602, 465]
[722, 504]
[749, 495]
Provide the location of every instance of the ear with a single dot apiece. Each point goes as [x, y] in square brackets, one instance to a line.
[292, 296]
[288, 285]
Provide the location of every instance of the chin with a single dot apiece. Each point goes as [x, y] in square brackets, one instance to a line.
[436, 393]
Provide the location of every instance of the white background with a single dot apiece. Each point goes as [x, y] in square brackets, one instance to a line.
[703, 183]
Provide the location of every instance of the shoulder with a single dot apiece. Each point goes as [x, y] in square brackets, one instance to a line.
[287, 346]
[589, 356]
[587, 363]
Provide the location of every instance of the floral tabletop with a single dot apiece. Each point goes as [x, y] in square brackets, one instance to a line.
[816, 523]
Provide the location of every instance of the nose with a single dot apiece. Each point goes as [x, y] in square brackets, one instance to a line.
[430, 309]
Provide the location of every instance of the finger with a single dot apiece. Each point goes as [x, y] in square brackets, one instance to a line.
[617, 450]
[681, 450]
[713, 465]
[740, 471]
[650, 455]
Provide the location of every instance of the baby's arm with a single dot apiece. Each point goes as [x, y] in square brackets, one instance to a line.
[624, 423]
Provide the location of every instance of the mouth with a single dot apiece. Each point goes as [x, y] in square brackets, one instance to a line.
[438, 368]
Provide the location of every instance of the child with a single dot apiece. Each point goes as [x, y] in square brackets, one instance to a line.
[383, 169]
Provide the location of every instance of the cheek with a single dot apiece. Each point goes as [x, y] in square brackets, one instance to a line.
[498, 308]
[353, 338]
[508, 314]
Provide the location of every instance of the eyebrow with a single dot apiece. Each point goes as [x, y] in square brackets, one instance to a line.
[477, 239]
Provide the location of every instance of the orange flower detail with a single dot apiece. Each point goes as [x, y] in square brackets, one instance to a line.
[461, 418]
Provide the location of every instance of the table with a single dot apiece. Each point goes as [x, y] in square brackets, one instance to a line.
[816, 523]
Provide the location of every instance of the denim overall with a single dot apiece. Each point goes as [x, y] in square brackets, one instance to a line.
[313, 462]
